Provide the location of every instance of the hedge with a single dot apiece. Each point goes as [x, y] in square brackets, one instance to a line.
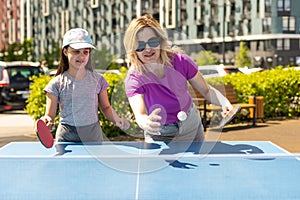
[279, 87]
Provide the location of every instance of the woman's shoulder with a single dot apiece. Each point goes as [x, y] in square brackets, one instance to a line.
[133, 76]
[180, 57]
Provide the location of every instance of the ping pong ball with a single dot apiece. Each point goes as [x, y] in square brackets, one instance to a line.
[181, 116]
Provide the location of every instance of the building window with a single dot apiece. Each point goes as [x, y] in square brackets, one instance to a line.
[257, 6]
[286, 44]
[291, 61]
[279, 44]
[267, 45]
[283, 5]
[283, 44]
[240, 28]
[145, 5]
[267, 25]
[268, 6]
[94, 3]
[288, 24]
[170, 13]
[46, 11]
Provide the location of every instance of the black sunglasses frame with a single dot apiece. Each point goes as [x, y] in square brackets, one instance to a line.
[152, 42]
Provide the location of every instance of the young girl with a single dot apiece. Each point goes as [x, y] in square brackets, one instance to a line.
[78, 91]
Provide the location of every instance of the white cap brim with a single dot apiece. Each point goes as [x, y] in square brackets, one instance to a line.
[82, 45]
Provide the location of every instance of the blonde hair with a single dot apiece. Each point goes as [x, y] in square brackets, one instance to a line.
[130, 42]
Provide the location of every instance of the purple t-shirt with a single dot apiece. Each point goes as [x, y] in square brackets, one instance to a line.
[169, 93]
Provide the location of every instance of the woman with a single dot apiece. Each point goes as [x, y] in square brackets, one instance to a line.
[156, 85]
[79, 92]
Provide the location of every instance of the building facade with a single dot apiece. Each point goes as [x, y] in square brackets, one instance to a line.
[270, 28]
[11, 22]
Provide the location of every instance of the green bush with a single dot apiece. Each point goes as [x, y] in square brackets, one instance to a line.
[279, 87]
[36, 103]
[118, 100]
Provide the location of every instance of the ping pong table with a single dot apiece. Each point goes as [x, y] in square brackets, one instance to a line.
[137, 170]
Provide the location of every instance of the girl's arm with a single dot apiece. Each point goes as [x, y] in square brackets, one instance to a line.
[110, 113]
[51, 108]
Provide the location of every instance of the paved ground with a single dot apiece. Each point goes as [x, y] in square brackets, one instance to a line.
[16, 126]
[285, 133]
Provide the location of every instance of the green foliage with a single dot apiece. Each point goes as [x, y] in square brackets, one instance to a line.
[36, 103]
[102, 59]
[280, 89]
[19, 52]
[242, 59]
[118, 100]
[206, 58]
[52, 56]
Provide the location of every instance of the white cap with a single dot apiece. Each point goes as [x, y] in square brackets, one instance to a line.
[78, 38]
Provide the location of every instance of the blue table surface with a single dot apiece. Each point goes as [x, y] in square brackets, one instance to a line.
[164, 171]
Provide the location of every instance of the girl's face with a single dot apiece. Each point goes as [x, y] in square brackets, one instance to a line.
[148, 47]
[78, 58]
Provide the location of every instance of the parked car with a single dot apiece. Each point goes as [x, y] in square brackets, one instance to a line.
[291, 68]
[100, 71]
[4, 108]
[209, 71]
[14, 83]
[247, 70]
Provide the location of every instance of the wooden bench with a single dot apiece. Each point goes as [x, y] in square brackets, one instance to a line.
[227, 90]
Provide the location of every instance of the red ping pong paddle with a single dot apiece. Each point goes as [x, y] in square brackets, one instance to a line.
[44, 134]
[229, 116]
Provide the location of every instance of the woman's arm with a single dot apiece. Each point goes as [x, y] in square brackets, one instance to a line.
[210, 93]
[110, 113]
[143, 119]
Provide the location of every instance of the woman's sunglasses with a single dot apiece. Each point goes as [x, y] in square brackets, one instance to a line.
[152, 42]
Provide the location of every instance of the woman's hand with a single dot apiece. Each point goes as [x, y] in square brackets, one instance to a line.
[226, 109]
[150, 124]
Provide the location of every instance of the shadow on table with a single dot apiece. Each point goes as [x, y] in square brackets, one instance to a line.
[172, 148]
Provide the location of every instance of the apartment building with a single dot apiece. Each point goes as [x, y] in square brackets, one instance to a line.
[10, 20]
[270, 28]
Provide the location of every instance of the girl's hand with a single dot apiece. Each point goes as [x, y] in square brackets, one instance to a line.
[49, 122]
[123, 124]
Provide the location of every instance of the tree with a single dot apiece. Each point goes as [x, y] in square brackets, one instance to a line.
[27, 50]
[206, 58]
[18, 52]
[102, 59]
[242, 59]
[52, 56]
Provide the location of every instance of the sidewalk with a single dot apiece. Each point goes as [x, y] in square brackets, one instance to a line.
[284, 133]
[16, 128]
